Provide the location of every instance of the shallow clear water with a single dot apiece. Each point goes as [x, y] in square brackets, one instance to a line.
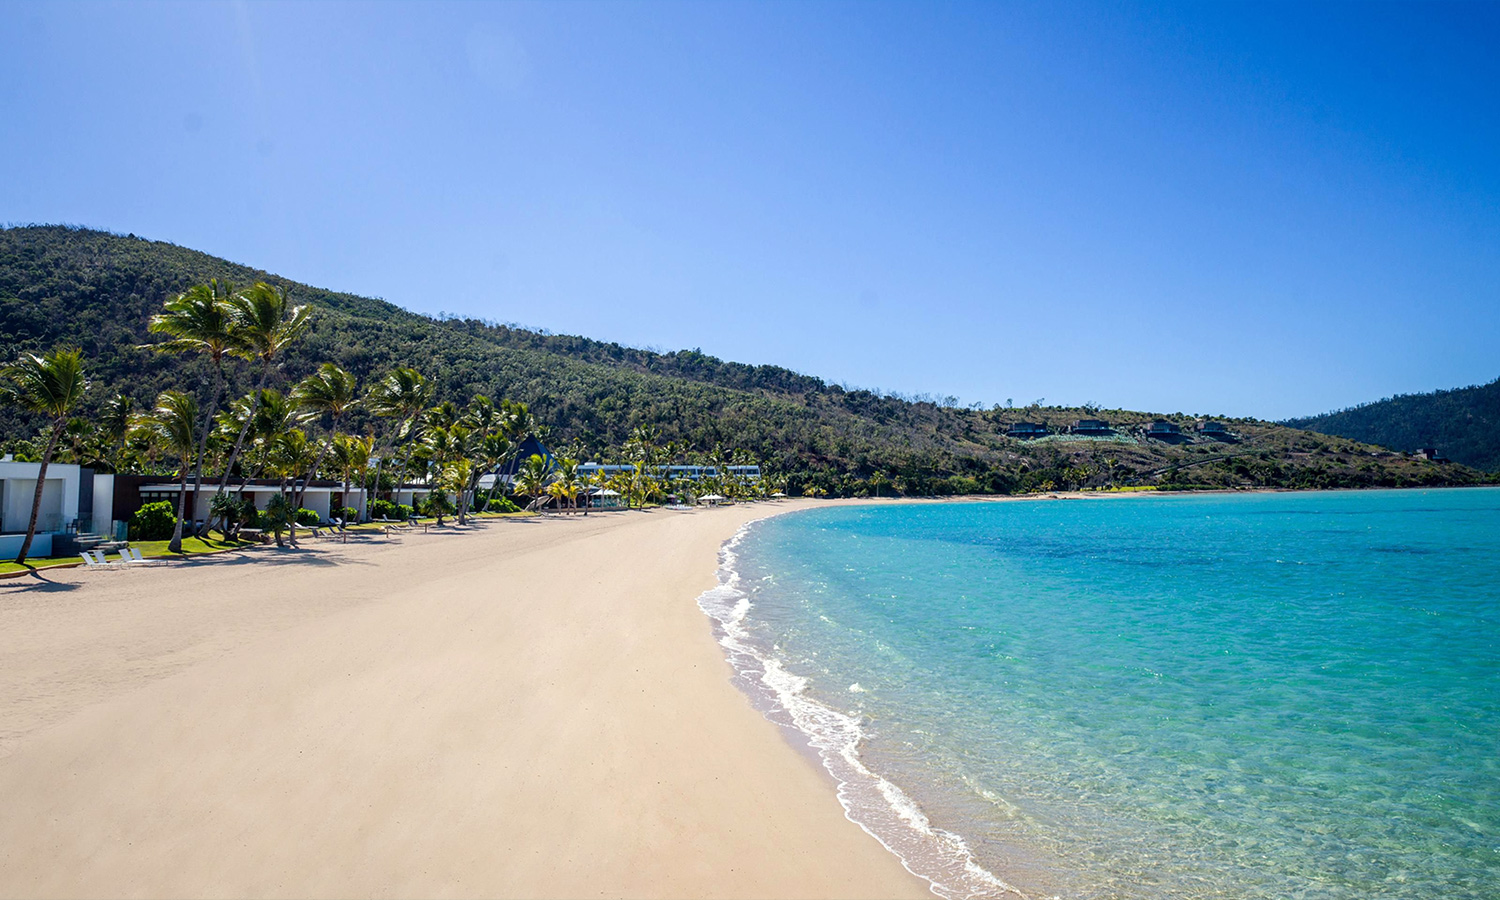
[1267, 695]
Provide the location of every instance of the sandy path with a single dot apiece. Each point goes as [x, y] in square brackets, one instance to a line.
[536, 708]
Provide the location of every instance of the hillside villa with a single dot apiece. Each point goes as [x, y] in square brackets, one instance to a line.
[1027, 430]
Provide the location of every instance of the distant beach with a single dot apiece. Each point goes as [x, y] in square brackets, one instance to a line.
[534, 707]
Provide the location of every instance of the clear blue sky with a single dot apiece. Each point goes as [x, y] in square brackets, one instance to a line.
[1227, 208]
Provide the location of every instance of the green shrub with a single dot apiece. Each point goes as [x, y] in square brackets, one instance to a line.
[501, 505]
[154, 521]
[277, 515]
[249, 516]
[308, 517]
[385, 509]
[438, 504]
[348, 514]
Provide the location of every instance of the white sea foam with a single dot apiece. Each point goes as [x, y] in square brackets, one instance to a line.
[882, 809]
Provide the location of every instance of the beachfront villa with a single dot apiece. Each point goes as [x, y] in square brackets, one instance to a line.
[1213, 429]
[1027, 430]
[70, 498]
[1164, 429]
[322, 497]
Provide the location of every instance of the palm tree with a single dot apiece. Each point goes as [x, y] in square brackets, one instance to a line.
[81, 444]
[330, 390]
[265, 323]
[720, 461]
[290, 456]
[517, 421]
[559, 493]
[489, 453]
[532, 478]
[641, 448]
[114, 422]
[351, 455]
[567, 476]
[444, 415]
[567, 483]
[587, 482]
[403, 395]
[199, 320]
[455, 477]
[172, 425]
[261, 416]
[51, 386]
[279, 515]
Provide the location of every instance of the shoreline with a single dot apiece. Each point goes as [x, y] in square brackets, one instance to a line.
[531, 708]
[831, 740]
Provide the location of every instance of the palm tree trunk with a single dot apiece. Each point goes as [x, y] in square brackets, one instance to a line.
[208, 424]
[175, 546]
[371, 490]
[313, 473]
[291, 522]
[239, 442]
[41, 481]
[463, 500]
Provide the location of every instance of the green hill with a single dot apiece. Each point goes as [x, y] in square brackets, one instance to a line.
[96, 290]
[1462, 424]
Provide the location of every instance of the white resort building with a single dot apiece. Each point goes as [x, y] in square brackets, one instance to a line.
[70, 498]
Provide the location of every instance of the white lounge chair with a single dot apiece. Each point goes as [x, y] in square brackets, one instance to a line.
[130, 555]
[95, 558]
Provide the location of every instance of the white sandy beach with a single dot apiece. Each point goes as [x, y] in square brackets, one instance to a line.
[532, 708]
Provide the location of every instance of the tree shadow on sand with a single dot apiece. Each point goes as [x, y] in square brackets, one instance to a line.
[34, 583]
[277, 556]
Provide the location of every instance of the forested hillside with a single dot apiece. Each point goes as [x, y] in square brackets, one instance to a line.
[96, 290]
[1462, 424]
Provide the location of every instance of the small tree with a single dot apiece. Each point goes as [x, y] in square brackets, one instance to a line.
[278, 516]
[153, 522]
[532, 478]
[51, 386]
[439, 504]
[171, 425]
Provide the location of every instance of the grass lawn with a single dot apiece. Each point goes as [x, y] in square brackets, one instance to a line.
[191, 546]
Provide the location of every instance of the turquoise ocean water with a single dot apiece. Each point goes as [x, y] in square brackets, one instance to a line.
[1246, 696]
